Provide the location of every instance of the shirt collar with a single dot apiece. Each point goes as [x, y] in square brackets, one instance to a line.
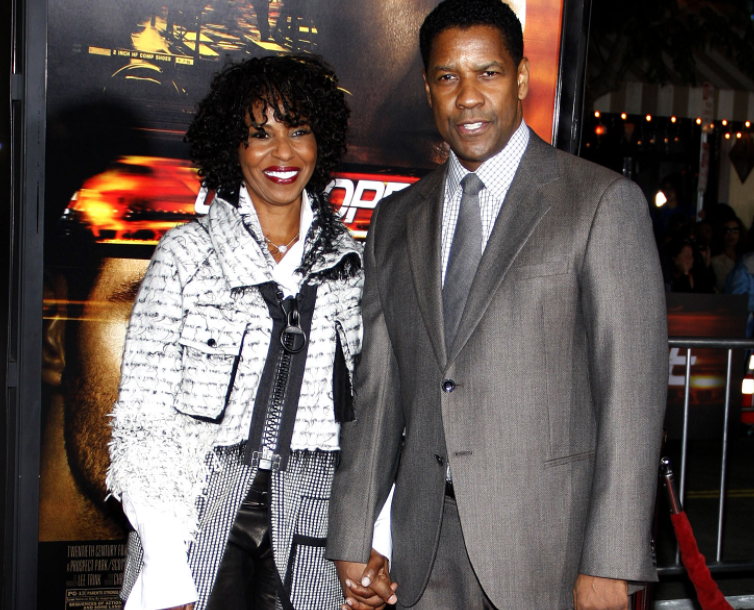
[249, 213]
[492, 171]
[282, 272]
[238, 241]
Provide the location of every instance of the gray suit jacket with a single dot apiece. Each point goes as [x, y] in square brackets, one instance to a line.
[560, 371]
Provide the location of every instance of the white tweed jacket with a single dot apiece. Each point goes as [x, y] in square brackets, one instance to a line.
[195, 350]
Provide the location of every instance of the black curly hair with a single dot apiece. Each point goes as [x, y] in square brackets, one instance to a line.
[301, 89]
[468, 13]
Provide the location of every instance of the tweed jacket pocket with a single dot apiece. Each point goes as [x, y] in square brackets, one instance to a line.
[526, 272]
[211, 348]
[307, 564]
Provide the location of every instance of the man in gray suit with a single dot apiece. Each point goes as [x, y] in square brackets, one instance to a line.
[513, 379]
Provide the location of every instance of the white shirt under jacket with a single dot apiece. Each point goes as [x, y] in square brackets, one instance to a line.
[165, 580]
[496, 173]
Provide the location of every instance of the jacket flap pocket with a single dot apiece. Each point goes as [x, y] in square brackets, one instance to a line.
[210, 331]
[211, 347]
[541, 270]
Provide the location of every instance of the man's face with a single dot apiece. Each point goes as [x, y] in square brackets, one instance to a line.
[475, 91]
[94, 388]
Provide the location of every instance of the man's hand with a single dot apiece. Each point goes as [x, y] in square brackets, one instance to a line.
[184, 607]
[596, 593]
[366, 586]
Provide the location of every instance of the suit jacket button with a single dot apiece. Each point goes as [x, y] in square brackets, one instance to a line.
[448, 385]
[440, 460]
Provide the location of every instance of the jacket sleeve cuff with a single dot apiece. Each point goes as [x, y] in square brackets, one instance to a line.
[382, 538]
[165, 579]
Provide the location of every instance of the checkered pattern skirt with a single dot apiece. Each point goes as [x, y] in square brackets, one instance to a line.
[298, 509]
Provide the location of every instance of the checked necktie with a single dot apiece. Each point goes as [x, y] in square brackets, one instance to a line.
[465, 253]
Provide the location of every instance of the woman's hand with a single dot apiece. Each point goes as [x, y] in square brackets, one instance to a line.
[367, 586]
[183, 607]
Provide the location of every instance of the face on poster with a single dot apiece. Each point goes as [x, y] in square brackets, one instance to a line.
[123, 82]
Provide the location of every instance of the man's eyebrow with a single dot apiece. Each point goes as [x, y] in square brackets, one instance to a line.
[479, 68]
[127, 294]
[492, 64]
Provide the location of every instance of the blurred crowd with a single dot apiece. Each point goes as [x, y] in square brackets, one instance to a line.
[714, 254]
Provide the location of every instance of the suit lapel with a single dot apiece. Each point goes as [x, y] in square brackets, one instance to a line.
[424, 231]
[524, 207]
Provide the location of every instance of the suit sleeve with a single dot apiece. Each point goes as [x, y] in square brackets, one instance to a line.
[623, 301]
[370, 445]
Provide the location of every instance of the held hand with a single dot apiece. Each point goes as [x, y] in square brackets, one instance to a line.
[183, 607]
[596, 593]
[366, 586]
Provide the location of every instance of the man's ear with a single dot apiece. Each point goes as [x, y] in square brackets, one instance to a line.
[426, 88]
[53, 329]
[523, 78]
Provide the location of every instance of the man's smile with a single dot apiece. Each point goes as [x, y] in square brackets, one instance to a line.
[472, 127]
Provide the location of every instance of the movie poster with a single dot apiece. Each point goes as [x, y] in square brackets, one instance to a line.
[123, 81]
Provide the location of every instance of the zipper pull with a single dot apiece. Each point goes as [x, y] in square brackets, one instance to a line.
[293, 338]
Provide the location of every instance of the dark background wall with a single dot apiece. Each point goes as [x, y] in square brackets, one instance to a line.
[5, 207]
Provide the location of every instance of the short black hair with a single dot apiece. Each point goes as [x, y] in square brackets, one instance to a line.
[676, 246]
[468, 13]
[301, 89]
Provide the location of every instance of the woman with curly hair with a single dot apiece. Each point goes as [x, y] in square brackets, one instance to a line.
[238, 359]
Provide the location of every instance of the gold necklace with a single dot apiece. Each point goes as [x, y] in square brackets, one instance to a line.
[281, 249]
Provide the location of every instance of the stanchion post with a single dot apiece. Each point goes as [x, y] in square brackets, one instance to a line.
[723, 468]
[685, 439]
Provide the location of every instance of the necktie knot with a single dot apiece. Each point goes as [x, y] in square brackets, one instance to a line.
[471, 184]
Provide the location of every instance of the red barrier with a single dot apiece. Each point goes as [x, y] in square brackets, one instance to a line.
[709, 595]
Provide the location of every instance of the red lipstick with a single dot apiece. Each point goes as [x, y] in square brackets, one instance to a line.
[282, 175]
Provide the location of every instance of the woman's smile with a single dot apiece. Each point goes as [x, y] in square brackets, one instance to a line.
[282, 175]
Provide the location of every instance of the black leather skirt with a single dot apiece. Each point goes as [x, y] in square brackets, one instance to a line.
[247, 578]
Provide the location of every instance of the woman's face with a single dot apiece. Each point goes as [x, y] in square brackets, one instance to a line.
[731, 233]
[278, 160]
[685, 260]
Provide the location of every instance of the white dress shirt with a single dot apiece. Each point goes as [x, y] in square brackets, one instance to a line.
[496, 173]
